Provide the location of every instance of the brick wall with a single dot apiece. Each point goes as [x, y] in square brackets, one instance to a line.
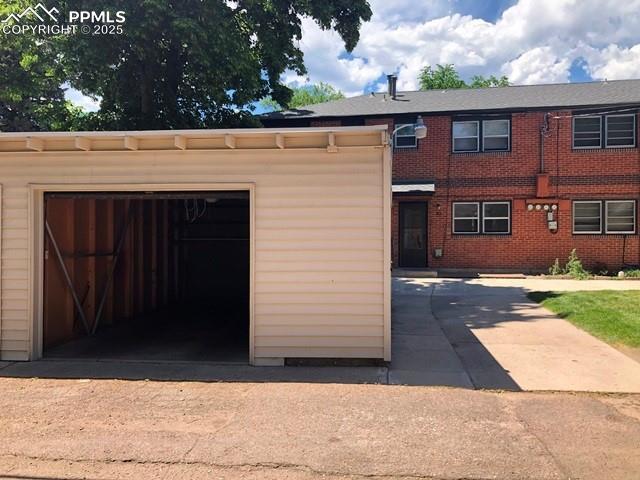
[597, 174]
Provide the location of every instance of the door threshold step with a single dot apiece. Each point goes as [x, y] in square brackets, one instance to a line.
[414, 273]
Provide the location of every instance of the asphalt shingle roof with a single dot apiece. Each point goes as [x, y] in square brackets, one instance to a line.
[592, 94]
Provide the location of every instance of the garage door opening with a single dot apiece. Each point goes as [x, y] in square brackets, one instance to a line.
[147, 276]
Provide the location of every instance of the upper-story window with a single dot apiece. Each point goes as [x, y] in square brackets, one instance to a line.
[495, 135]
[466, 136]
[620, 130]
[481, 135]
[604, 131]
[587, 132]
[406, 136]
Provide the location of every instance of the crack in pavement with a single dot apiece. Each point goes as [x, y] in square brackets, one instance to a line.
[512, 412]
[251, 466]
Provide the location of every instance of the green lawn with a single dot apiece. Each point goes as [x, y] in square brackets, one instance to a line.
[613, 316]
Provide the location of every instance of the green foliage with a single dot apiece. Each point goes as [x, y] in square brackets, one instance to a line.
[632, 273]
[573, 267]
[442, 78]
[556, 269]
[611, 315]
[31, 97]
[478, 81]
[445, 77]
[306, 95]
[187, 64]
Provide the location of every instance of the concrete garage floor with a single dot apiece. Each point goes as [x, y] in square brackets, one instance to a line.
[158, 337]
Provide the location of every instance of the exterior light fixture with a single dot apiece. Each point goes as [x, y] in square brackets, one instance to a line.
[554, 207]
[538, 207]
[420, 128]
[546, 208]
[530, 207]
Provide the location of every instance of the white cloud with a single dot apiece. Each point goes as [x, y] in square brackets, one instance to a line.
[539, 65]
[76, 97]
[614, 62]
[533, 41]
[322, 51]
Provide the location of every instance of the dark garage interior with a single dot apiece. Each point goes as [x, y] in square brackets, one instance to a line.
[151, 276]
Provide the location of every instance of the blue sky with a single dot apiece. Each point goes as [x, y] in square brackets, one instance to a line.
[530, 41]
[487, 10]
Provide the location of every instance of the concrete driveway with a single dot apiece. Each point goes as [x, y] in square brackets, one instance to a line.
[486, 333]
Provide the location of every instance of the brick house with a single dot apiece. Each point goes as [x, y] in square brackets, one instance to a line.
[507, 178]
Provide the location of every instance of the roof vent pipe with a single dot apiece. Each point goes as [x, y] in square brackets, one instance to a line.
[391, 85]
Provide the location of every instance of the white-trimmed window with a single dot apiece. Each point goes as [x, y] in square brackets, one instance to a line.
[496, 217]
[406, 136]
[587, 217]
[495, 135]
[620, 131]
[587, 132]
[466, 217]
[620, 216]
[466, 136]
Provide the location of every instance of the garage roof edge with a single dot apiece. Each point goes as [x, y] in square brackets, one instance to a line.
[331, 138]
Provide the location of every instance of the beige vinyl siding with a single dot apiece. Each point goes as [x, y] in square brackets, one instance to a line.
[319, 238]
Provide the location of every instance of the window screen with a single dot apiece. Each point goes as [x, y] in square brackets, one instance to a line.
[465, 136]
[496, 217]
[587, 132]
[495, 135]
[406, 136]
[621, 216]
[587, 217]
[466, 217]
[621, 130]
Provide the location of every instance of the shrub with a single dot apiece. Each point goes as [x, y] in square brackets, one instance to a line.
[574, 267]
[632, 273]
[556, 269]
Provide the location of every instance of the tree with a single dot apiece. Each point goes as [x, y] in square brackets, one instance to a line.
[306, 95]
[176, 64]
[31, 96]
[442, 78]
[198, 63]
[446, 77]
[478, 81]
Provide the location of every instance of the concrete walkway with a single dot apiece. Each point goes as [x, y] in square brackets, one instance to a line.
[421, 352]
[504, 340]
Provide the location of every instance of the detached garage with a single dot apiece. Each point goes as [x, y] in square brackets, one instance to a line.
[235, 246]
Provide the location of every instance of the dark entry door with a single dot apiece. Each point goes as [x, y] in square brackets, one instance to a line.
[413, 234]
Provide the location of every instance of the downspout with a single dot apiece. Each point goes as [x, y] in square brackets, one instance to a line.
[542, 178]
[544, 130]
